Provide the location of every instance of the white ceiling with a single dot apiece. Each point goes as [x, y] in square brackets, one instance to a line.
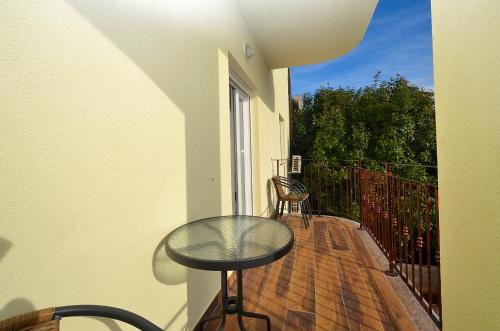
[296, 32]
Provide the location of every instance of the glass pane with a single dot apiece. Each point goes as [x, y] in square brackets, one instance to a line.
[242, 171]
[229, 238]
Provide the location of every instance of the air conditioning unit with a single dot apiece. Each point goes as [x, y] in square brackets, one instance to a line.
[296, 164]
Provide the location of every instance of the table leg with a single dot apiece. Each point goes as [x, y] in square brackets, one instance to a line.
[223, 299]
[233, 305]
[223, 305]
[241, 311]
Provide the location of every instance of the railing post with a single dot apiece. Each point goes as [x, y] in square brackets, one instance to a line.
[391, 240]
[277, 167]
[318, 189]
[438, 257]
[360, 194]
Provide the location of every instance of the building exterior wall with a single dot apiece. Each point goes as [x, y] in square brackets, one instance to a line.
[114, 130]
[467, 69]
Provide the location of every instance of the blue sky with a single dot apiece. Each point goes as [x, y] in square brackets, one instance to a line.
[398, 40]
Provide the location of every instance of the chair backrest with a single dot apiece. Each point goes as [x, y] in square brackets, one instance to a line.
[278, 184]
[48, 319]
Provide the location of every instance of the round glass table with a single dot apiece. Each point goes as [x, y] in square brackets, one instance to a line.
[230, 243]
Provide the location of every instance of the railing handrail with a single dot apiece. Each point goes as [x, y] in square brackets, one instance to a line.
[419, 165]
[415, 181]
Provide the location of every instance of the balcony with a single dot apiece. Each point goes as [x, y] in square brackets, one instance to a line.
[344, 273]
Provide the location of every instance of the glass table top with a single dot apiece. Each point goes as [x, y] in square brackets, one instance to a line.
[229, 242]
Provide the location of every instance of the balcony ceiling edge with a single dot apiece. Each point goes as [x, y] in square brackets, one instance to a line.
[297, 32]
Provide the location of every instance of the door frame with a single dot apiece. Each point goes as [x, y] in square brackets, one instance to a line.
[235, 82]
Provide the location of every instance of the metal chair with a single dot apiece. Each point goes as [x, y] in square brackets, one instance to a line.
[297, 192]
[48, 319]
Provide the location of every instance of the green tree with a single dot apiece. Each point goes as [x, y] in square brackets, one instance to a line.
[389, 121]
[329, 140]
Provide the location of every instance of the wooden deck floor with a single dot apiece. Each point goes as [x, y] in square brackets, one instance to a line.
[327, 282]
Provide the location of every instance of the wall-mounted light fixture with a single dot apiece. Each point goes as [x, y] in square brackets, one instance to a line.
[248, 51]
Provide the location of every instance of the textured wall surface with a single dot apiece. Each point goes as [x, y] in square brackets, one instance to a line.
[114, 130]
[467, 82]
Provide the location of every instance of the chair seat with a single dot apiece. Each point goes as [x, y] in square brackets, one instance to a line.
[296, 196]
[47, 326]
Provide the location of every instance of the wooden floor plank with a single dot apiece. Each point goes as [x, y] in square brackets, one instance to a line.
[381, 311]
[330, 310]
[398, 315]
[274, 299]
[299, 320]
[358, 315]
[302, 283]
[254, 284]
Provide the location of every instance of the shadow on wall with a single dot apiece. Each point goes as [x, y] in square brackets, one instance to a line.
[16, 307]
[176, 315]
[271, 205]
[148, 34]
[4, 247]
[165, 270]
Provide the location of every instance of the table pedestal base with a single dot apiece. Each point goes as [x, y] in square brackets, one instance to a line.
[233, 305]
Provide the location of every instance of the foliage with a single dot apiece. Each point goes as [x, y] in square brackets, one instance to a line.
[389, 121]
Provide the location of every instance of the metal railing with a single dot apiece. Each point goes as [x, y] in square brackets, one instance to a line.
[400, 214]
